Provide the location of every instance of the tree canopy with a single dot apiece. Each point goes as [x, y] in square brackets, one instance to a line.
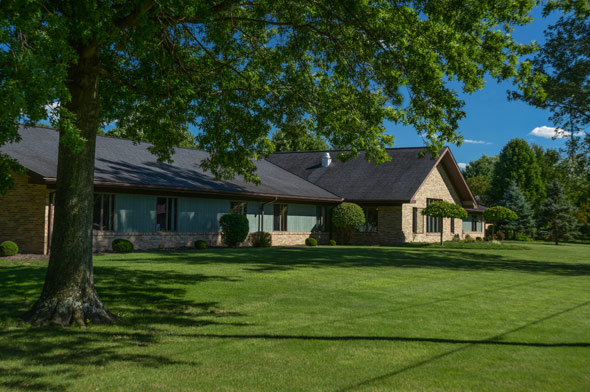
[498, 214]
[235, 70]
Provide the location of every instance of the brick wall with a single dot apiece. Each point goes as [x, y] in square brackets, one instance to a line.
[23, 216]
[436, 186]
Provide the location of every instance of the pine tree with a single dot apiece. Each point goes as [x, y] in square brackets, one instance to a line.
[558, 214]
[515, 199]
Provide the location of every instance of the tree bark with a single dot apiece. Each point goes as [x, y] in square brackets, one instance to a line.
[69, 296]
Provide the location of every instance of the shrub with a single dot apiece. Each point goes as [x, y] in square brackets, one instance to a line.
[456, 238]
[261, 239]
[122, 245]
[478, 239]
[500, 236]
[311, 242]
[8, 248]
[467, 237]
[332, 243]
[234, 229]
[521, 237]
[347, 217]
[200, 244]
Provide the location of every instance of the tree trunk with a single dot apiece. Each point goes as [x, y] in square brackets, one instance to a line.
[69, 296]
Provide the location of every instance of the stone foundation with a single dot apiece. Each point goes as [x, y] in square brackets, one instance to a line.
[102, 240]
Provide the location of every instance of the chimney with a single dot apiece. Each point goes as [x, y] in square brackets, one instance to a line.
[326, 159]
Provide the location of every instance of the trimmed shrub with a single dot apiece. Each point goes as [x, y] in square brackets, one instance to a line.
[8, 248]
[261, 239]
[500, 236]
[478, 239]
[347, 218]
[122, 245]
[234, 229]
[332, 243]
[456, 238]
[521, 237]
[200, 244]
[311, 242]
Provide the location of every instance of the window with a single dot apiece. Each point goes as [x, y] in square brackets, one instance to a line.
[417, 221]
[239, 207]
[321, 219]
[280, 217]
[371, 220]
[104, 212]
[452, 225]
[432, 223]
[166, 214]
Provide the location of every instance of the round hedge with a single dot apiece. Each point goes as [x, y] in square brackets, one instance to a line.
[261, 239]
[234, 229]
[311, 242]
[8, 248]
[332, 243]
[347, 218]
[201, 245]
[122, 245]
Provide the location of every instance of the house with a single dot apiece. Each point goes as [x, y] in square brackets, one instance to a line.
[172, 205]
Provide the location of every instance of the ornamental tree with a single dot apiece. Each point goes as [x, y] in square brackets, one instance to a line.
[234, 229]
[347, 218]
[498, 214]
[235, 70]
[443, 209]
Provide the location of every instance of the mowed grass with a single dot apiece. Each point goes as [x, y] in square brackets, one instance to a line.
[314, 319]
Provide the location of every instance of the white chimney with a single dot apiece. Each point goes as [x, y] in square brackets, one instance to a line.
[326, 159]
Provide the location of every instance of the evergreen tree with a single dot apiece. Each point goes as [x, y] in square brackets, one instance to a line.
[558, 214]
[517, 162]
[515, 199]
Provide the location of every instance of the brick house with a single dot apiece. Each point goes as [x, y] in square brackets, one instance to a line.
[172, 205]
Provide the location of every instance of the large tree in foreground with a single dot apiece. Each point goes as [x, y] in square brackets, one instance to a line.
[236, 70]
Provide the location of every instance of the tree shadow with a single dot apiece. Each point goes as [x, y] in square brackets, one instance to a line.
[273, 259]
[147, 301]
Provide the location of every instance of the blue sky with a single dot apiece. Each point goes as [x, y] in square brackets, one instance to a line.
[491, 120]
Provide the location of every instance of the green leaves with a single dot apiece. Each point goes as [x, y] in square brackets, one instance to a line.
[498, 213]
[444, 209]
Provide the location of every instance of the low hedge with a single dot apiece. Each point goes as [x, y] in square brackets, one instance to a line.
[332, 243]
[122, 245]
[261, 239]
[8, 248]
[201, 245]
[311, 242]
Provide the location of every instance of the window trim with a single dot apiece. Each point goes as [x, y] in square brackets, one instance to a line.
[110, 226]
[281, 217]
[171, 214]
[239, 207]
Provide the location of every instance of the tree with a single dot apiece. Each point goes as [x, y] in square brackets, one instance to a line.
[480, 187]
[498, 214]
[347, 218]
[548, 160]
[482, 167]
[444, 209]
[298, 142]
[234, 229]
[236, 70]
[517, 162]
[515, 200]
[557, 213]
[184, 137]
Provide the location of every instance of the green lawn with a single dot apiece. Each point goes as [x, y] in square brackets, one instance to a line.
[305, 319]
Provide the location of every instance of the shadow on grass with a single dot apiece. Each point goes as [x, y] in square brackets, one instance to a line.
[277, 259]
[150, 301]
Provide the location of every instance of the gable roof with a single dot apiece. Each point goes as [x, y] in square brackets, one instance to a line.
[359, 180]
[121, 163]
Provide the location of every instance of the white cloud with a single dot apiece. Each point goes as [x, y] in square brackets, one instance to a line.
[550, 132]
[470, 141]
[462, 165]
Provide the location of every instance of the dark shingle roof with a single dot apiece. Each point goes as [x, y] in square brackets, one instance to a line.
[119, 161]
[359, 180]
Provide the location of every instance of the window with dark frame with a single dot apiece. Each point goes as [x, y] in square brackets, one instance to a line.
[452, 225]
[432, 223]
[104, 212]
[280, 217]
[473, 222]
[321, 219]
[239, 207]
[371, 220]
[166, 214]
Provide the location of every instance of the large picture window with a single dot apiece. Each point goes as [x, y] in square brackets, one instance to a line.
[371, 220]
[104, 212]
[280, 217]
[432, 223]
[166, 214]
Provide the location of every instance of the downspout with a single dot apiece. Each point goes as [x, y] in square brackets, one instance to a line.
[262, 212]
